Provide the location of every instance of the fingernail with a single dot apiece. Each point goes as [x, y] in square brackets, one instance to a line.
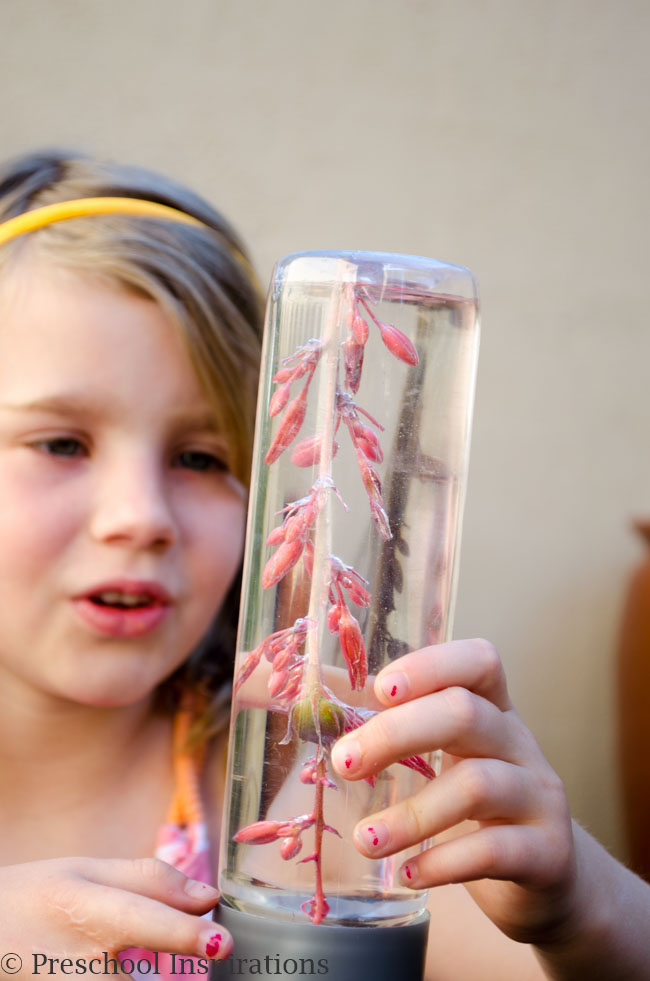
[201, 890]
[346, 756]
[372, 836]
[215, 943]
[395, 686]
[408, 874]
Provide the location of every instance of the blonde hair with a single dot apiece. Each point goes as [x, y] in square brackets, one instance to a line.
[199, 274]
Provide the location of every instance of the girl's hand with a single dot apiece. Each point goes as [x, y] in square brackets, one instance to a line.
[518, 853]
[82, 908]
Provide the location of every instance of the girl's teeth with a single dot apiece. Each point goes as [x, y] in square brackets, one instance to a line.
[112, 598]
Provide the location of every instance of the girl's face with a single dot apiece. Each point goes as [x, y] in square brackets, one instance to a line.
[120, 529]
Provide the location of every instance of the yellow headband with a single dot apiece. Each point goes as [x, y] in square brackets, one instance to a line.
[29, 221]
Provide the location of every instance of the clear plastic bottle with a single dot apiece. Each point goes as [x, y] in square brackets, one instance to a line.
[351, 560]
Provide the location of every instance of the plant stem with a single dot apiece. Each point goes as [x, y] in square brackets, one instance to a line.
[320, 582]
[319, 895]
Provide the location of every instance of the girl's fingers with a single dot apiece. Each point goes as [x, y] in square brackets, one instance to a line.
[455, 720]
[153, 878]
[127, 919]
[478, 790]
[514, 853]
[471, 664]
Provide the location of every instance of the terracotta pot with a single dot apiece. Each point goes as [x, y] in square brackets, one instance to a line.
[634, 712]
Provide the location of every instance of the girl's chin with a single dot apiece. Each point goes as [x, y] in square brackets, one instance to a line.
[103, 695]
[107, 702]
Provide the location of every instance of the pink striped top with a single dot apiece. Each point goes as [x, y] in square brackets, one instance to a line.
[182, 842]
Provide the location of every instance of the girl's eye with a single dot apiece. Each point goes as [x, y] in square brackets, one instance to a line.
[200, 461]
[61, 446]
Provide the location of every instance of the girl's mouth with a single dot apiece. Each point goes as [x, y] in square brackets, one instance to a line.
[123, 611]
[128, 601]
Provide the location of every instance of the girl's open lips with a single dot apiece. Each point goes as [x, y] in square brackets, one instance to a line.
[123, 607]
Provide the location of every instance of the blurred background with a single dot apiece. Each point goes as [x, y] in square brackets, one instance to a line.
[510, 136]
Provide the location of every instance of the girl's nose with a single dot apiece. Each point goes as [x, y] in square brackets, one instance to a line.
[132, 506]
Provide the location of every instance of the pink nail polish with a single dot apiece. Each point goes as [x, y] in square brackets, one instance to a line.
[374, 835]
[395, 686]
[409, 874]
[347, 759]
[213, 944]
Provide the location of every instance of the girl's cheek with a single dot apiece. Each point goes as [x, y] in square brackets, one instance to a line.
[38, 517]
[220, 536]
[232, 524]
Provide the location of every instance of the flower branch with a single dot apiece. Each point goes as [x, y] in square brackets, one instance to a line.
[314, 714]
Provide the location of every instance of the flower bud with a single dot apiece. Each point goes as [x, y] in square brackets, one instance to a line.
[290, 847]
[329, 722]
[259, 833]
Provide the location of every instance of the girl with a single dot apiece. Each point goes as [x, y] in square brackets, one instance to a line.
[128, 353]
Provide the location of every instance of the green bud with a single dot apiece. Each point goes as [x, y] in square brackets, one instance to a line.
[330, 720]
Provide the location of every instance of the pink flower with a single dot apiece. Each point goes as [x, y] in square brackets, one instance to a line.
[290, 847]
[309, 772]
[282, 642]
[367, 441]
[263, 832]
[398, 344]
[284, 375]
[277, 682]
[281, 561]
[353, 649]
[333, 617]
[249, 665]
[279, 399]
[357, 593]
[360, 329]
[292, 537]
[259, 833]
[396, 341]
[346, 577]
[306, 453]
[352, 364]
[372, 483]
[294, 416]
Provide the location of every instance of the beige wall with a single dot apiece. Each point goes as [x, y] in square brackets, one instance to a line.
[507, 135]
